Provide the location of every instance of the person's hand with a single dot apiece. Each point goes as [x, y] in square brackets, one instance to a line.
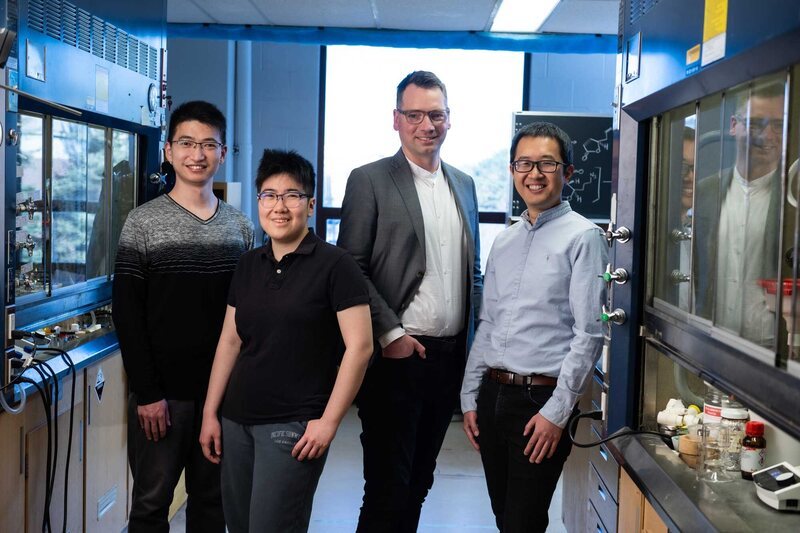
[316, 439]
[211, 439]
[471, 428]
[403, 347]
[543, 441]
[154, 419]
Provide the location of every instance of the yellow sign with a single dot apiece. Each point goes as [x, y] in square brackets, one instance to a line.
[693, 54]
[715, 18]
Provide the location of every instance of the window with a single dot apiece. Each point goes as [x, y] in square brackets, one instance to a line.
[484, 89]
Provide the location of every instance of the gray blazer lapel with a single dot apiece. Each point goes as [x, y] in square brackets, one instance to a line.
[400, 173]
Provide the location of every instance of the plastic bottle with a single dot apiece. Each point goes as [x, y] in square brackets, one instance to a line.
[735, 418]
[754, 449]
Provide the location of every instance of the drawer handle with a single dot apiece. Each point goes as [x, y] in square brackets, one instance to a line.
[600, 529]
[603, 454]
[601, 492]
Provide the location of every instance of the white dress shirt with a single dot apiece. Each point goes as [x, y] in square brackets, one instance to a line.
[740, 302]
[437, 308]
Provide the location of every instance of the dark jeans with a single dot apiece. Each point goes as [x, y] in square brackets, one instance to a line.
[405, 406]
[157, 466]
[520, 491]
[264, 488]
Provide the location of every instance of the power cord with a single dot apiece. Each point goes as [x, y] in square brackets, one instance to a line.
[572, 426]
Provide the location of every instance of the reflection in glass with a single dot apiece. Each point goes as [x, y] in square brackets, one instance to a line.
[30, 260]
[96, 205]
[69, 202]
[123, 180]
[750, 209]
[675, 199]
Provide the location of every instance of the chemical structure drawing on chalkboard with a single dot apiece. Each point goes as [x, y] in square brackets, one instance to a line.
[595, 146]
[578, 189]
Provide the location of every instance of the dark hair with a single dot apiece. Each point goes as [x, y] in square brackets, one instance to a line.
[420, 78]
[275, 162]
[545, 129]
[198, 110]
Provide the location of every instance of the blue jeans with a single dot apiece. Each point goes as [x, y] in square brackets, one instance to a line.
[520, 491]
[264, 488]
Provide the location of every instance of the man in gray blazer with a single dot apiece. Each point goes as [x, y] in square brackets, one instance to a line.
[411, 222]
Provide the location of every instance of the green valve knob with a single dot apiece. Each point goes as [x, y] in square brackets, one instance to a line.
[604, 317]
[617, 316]
[608, 277]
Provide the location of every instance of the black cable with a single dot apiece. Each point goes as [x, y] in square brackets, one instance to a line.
[39, 362]
[597, 415]
[46, 404]
[50, 470]
[68, 361]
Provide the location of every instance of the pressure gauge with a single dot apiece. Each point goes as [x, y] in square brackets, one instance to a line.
[152, 97]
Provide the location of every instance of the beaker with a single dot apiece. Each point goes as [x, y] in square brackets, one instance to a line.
[715, 442]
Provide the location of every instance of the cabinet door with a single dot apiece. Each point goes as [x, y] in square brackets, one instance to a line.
[652, 523]
[106, 446]
[630, 504]
[12, 472]
[36, 457]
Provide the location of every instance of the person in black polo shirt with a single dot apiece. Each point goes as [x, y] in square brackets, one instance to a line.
[293, 305]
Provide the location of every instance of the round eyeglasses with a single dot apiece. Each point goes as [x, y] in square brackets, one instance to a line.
[526, 165]
[290, 199]
[206, 146]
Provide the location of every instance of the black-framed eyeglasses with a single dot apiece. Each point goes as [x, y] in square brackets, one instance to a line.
[290, 199]
[206, 146]
[526, 165]
[415, 116]
[759, 124]
[686, 169]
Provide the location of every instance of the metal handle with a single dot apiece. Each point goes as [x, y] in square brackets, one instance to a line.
[619, 276]
[621, 235]
[617, 316]
[682, 234]
[676, 277]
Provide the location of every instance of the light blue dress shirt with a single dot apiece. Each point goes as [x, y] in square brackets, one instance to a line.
[541, 309]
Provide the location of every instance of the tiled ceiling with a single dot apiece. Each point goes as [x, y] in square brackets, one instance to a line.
[570, 16]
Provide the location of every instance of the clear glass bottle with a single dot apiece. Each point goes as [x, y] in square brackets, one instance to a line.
[712, 404]
[734, 418]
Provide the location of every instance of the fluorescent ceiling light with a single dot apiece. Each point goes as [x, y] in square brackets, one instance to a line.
[522, 16]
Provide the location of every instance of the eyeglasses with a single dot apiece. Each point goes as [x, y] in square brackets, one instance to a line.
[526, 165]
[686, 169]
[415, 116]
[290, 199]
[206, 146]
[759, 124]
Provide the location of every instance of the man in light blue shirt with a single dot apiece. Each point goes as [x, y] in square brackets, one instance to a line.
[539, 335]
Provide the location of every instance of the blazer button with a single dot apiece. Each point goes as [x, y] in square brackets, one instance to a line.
[420, 274]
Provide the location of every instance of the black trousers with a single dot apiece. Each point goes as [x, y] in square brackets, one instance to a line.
[520, 491]
[405, 406]
[156, 468]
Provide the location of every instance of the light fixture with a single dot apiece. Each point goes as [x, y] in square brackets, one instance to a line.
[522, 16]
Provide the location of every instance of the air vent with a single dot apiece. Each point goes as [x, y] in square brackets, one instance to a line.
[97, 36]
[122, 49]
[639, 8]
[111, 43]
[36, 15]
[84, 31]
[153, 64]
[69, 24]
[133, 53]
[143, 58]
[64, 21]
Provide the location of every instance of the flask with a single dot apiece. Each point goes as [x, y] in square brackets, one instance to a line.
[754, 449]
[712, 405]
[734, 418]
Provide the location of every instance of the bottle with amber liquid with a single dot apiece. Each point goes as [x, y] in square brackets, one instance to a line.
[754, 449]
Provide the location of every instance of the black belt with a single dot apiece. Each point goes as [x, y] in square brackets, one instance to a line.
[505, 377]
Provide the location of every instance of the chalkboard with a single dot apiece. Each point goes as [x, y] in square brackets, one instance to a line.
[589, 189]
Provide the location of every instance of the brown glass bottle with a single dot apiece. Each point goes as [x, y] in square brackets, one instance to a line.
[754, 447]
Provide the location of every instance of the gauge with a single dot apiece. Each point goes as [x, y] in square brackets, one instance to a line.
[152, 97]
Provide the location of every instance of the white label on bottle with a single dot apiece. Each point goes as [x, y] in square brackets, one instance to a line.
[752, 459]
[712, 414]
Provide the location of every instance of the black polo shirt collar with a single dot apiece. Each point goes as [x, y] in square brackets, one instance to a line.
[306, 247]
